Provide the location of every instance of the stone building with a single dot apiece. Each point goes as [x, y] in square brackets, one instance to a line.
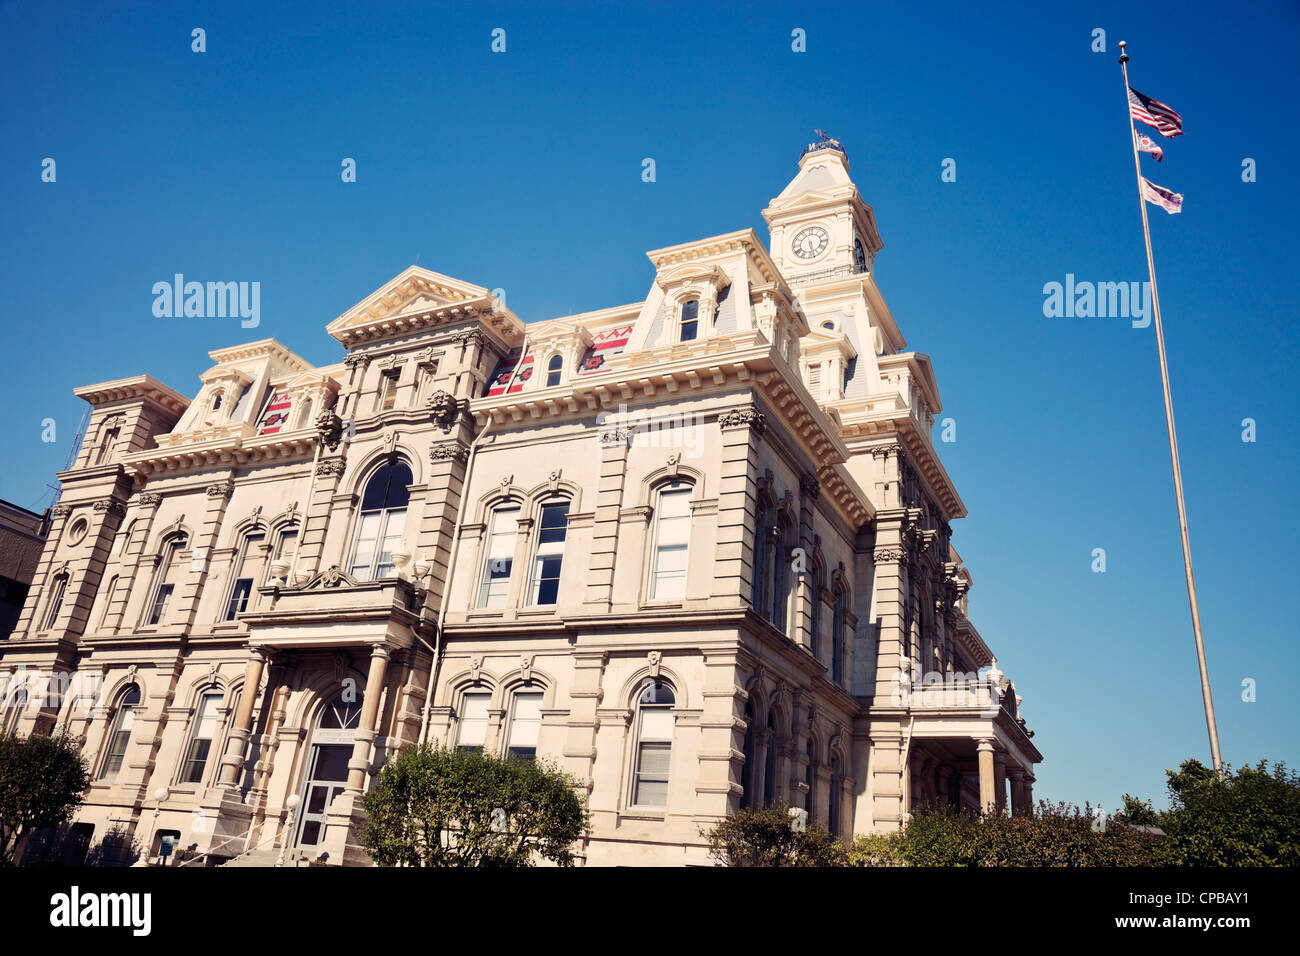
[695, 548]
[22, 535]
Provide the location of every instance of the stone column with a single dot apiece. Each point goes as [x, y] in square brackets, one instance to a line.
[988, 797]
[240, 730]
[614, 440]
[1017, 791]
[741, 430]
[365, 735]
[1000, 780]
[1027, 794]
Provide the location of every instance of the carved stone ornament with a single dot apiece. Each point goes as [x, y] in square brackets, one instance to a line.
[330, 428]
[353, 360]
[221, 489]
[475, 665]
[674, 460]
[149, 499]
[111, 505]
[470, 337]
[62, 511]
[746, 415]
[809, 486]
[655, 659]
[526, 668]
[887, 555]
[443, 407]
[449, 451]
[331, 466]
[610, 436]
[331, 577]
[505, 481]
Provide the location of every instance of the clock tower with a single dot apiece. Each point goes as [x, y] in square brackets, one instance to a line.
[820, 225]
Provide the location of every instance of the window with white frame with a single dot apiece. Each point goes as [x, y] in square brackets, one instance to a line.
[166, 580]
[56, 601]
[203, 736]
[554, 368]
[119, 737]
[472, 720]
[690, 325]
[498, 556]
[525, 724]
[381, 522]
[287, 544]
[671, 545]
[654, 744]
[548, 552]
[243, 575]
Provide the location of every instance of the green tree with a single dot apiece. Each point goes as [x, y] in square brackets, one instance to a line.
[1247, 818]
[437, 807]
[42, 780]
[767, 837]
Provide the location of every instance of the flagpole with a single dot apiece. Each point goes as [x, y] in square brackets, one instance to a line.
[1206, 696]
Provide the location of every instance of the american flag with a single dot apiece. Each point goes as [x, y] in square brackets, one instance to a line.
[1154, 113]
[1148, 145]
[1166, 199]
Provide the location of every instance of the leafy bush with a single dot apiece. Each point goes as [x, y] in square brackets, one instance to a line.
[437, 807]
[42, 781]
[767, 837]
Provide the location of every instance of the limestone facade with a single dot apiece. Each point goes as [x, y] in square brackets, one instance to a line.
[695, 549]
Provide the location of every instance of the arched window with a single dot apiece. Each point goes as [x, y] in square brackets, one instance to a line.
[120, 734]
[499, 556]
[286, 545]
[525, 724]
[52, 609]
[690, 320]
[837, 638]
[762, 528]
[859, 256]
[553, 369]
[107, 442]
[810, 775]
[244, 574]
[15, 704]
[769, 762]
[107, 597]
[833, 816]
[304, 413]
[815, 623]
[780, 575]
[747, 773]
[165, 580]
[203, 735]
[382, 521]
[654, 744]
[472, 720]
[671, 542]
[548, 552]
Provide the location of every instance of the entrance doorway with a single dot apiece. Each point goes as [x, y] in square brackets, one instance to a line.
[327, 770]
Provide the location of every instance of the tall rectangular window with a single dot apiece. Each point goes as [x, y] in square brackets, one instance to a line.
[690, 320]
[169, 571]
[120, 736]
[654, 745]
[56, 601]
[201, 738]
[494, 585]
[471, 727]
[525, 725]
[388, 389]
[243, 576]
[672, 537]
[106, 445]
[549, 555]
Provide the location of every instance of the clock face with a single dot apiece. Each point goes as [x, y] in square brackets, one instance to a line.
[811, 242]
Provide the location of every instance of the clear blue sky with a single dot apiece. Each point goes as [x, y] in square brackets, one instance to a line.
[523, 170]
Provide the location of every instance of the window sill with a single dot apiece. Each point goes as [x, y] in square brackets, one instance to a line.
[644, 813]
[662, 605]
[546, 610]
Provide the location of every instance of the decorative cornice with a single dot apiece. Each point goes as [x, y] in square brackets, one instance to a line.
[887, 556]
[745, 415]
[352, 360]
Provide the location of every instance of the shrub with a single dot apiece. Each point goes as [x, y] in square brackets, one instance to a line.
[767, 837]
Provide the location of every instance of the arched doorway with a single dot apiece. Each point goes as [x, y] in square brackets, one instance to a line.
[327, 766]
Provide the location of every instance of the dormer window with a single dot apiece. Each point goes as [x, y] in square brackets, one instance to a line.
[387, 390]
[216, 402]
[690, 320]
[553, 369]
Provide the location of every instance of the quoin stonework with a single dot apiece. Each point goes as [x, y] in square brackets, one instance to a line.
[695, 549]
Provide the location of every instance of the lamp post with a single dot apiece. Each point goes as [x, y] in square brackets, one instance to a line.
[159, 795]
[291, 804]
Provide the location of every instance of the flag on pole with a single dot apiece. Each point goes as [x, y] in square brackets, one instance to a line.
[1154, 113]
[1168, 200]
[1147, 145]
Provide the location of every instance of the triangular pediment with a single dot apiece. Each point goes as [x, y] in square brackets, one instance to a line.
[415, 291]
